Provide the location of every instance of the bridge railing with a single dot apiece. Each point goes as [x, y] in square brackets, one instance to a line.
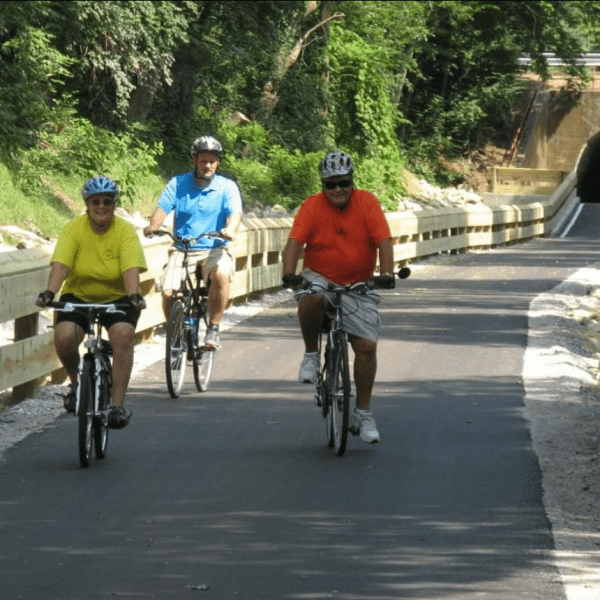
[258, 253]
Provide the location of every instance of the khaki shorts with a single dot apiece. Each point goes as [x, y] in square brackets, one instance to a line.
[209, 259]
[360, 312]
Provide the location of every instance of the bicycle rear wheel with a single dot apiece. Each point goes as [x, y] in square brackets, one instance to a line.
[101, 420]
[86, 412]
[202, 360]
[176, 350]
[339, 394]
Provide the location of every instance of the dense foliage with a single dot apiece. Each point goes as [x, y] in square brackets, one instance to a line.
[122, 87]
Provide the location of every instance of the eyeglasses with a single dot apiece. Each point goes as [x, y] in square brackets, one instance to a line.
[331, 185]
[102, 201]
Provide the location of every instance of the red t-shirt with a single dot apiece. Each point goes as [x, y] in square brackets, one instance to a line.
[341, 244]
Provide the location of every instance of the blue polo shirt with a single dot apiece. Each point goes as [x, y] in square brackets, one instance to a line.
[200, 210]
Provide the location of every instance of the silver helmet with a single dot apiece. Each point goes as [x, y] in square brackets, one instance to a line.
[335, 164]
[206, 143]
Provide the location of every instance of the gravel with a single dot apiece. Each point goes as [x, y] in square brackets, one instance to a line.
[562, 403]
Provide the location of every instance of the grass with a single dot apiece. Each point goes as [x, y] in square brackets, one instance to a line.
[50, 207]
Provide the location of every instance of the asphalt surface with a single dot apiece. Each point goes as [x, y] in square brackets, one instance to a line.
[234, 494]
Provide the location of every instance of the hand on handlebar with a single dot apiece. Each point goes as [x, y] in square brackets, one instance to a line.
[44, 299]
[387, 281]
[149, 231]
[289, 280]
[227, 233]
[137, 301]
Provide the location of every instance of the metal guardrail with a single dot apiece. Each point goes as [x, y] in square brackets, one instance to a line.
[258, 252]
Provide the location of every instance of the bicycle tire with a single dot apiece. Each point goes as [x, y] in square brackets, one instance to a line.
[176, 350]
[202, 360]
[86, 412]
[101, 420]
[323, 391]
[339, 391]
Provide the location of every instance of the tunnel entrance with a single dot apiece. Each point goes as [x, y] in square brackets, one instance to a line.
[588, 172]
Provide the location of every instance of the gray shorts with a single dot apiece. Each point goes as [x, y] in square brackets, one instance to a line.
[209, 259]
[360, 312]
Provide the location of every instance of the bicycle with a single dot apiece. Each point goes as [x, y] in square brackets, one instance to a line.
[333, 387]
[188, 322]
[94, 381]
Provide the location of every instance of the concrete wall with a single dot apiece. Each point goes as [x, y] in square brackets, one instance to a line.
[562, 129]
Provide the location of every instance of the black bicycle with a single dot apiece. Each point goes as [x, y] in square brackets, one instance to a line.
[188, 323]
[333, 380]
[94, 381]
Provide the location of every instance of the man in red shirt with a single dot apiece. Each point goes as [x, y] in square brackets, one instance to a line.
[342, 231]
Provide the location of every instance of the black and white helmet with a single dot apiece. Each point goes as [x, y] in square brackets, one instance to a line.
[336, 164]
[206, 143]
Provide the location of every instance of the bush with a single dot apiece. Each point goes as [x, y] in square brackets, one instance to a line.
[81, 150]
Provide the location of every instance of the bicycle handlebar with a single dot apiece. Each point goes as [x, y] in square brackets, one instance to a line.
[74, 306]
[402, 273]
[189, 240]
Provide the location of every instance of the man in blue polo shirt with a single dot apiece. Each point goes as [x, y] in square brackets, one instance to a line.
[203, 201]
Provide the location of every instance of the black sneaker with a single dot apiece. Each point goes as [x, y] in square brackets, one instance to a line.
[118, 417]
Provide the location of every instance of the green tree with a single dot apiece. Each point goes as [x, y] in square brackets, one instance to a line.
[123, 52]
[32, 71]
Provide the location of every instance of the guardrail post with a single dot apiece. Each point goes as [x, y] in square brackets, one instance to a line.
[25, 327]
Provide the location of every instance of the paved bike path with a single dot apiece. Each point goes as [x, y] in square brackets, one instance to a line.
[234, 490]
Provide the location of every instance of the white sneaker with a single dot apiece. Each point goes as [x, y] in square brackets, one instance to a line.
[363, 423]
[212, 340]
[309, 369]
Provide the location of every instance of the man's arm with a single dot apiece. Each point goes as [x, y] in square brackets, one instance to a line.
[386, 257]
[291, 255]
[156, 220]
[231, 226]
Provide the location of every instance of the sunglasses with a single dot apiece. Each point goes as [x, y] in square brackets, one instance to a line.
[331, 185]
[102, 201]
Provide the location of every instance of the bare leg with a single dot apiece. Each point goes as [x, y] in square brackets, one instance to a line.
[310, 313]
[67, 338]
[121, 337]
[218, 295]
[365, 367]
[167, 298]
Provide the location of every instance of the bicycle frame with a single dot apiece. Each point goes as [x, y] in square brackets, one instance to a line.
[188, 310]
[93, 342]
[94, 380]
[333, 379]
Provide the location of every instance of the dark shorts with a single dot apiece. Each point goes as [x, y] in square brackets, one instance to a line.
[107, 320]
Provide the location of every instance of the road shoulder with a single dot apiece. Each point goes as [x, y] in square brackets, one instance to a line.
[562, 400]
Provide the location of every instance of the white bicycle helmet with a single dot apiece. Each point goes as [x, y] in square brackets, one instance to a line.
[206, 143]
[336, 164]
[100, 185]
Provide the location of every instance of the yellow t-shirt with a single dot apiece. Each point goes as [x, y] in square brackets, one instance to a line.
[97, 261]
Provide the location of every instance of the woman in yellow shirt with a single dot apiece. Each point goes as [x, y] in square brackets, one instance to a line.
[98, 258]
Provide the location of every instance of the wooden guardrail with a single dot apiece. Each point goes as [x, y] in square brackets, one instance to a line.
[257, 250]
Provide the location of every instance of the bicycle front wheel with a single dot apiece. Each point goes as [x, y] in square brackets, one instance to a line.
[86, 412]
[339, 394]
[101, 420]
[176, 350]
[202, 360]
